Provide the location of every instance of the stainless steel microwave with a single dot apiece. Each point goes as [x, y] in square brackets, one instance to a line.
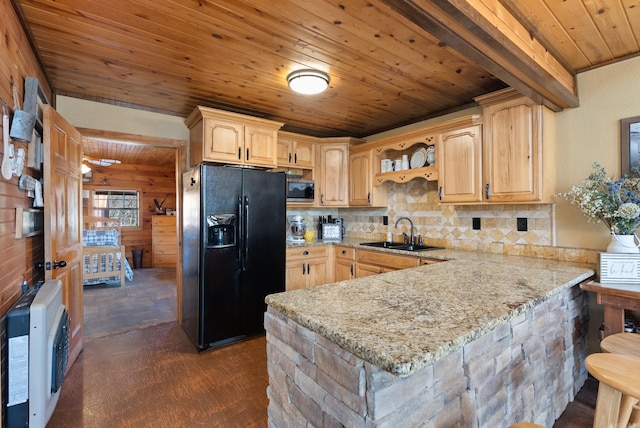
[299, 190]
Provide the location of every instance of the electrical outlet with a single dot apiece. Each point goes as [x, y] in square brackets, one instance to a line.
[385, 220]
[522, 224]
[476, 223]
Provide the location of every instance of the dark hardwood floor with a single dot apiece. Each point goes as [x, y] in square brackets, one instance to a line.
[154, 377]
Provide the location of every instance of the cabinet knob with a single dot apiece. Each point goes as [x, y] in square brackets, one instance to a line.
[305, 253]
[344, 252]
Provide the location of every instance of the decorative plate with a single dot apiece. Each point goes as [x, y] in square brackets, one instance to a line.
[419, 158]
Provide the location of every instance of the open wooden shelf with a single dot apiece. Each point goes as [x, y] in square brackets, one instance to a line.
[429, 173]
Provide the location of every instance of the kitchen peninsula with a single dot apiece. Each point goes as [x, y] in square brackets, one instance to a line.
[479, 340]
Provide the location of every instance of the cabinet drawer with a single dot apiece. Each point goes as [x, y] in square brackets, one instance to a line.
[305, 253]
[429, 261]
[165, 250]
[164, 261]
[164, 240]
[385, 259]
[345, 253]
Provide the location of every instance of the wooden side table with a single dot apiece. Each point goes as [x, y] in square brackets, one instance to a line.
[616, 298]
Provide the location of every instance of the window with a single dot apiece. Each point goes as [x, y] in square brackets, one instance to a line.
[122, 204]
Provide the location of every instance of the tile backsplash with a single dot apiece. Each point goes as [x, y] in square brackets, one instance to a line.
[451, 226]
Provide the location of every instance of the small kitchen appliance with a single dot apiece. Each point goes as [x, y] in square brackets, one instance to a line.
[299, 190]
[297, 228]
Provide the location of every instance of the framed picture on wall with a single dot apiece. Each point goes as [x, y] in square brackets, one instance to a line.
[629, 144]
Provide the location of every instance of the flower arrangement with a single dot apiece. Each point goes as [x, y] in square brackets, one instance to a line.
[616, 203]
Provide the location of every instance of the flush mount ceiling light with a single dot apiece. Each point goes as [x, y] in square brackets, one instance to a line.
[308, 82]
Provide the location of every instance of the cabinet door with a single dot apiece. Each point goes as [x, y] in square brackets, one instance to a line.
[512, 151]
[303, 154]
[285, 151]
[317, 272]
[360, 179]
[260, 146]
[460, 165]
[363, 269]
[345, 269]
[334, 164]
[295, 275]
[223, 141]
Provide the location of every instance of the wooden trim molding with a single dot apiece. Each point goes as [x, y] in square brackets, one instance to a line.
[488, 34]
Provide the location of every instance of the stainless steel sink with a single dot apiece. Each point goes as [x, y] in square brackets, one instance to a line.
[383, 244]
[417, 248]
[400, 246]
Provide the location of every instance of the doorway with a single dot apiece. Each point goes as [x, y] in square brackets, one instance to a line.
[151, 167]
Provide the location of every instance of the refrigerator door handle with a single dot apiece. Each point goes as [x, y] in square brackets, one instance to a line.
[240, 228]
[245, 260]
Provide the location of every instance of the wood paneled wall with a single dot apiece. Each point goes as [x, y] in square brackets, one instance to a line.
[152, 182]
[18, 256]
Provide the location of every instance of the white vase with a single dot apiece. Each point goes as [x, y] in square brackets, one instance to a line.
[623, 244]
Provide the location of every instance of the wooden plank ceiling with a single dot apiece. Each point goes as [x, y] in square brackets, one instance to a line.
[391, 62]
[129, 153]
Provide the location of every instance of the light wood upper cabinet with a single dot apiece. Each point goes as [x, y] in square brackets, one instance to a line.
[260, 145]
[220, 136]
[333, 175]
[518, 149]
[295, 151]
[460, 165]
[362, 192]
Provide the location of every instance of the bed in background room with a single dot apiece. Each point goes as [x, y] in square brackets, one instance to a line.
[103, 257]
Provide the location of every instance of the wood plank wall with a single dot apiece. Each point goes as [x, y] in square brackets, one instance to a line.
[18, 256]
[152, 182]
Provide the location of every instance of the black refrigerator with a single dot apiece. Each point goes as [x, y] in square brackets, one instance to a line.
[233, 231]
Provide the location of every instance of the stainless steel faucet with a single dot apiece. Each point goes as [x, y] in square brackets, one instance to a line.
[411, 223]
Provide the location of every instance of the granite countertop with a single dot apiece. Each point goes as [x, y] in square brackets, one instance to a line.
[405, 320]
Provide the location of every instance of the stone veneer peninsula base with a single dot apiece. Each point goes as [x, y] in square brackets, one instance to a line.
[527, 368]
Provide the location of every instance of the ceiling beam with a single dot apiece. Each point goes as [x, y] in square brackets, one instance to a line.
[485, 32]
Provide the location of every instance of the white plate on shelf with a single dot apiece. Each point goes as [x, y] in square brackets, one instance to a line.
[419, 158]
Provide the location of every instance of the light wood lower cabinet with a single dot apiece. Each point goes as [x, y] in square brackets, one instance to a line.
[345, 263]
[311, 266]
[375, 262]
[308, 267]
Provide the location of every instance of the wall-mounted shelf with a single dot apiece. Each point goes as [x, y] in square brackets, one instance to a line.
[429, 173]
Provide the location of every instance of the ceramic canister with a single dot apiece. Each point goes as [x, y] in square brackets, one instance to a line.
[405, 161]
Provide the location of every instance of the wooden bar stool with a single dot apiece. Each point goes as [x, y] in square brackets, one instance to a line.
[618, 375]
[624, 344]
